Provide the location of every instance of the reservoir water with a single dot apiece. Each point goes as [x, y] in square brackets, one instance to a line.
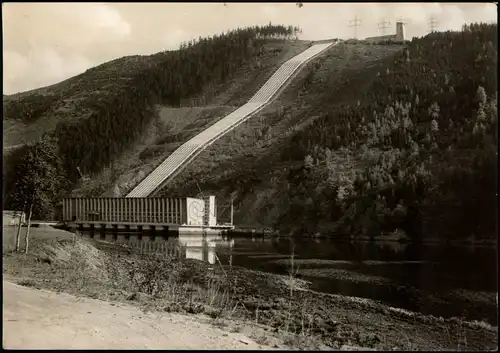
[446, 281]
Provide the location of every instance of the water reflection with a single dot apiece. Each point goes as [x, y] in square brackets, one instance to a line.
[203, 247]
[415, 277]
[426, 267]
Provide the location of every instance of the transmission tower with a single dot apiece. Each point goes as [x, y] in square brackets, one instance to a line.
[355, 23]
[383, 25]
[433, 24]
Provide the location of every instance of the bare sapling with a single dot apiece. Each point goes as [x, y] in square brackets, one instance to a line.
[26, 238]
[18, 236]
[230, 282]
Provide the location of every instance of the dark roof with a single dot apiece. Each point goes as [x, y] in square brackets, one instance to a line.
[387, 37]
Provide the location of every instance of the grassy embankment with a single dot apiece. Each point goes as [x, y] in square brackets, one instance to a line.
[274, 308]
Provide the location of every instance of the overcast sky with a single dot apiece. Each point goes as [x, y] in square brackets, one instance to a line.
[45, 43]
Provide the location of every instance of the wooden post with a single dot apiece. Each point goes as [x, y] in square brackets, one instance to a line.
[18, 236]
[26, 238]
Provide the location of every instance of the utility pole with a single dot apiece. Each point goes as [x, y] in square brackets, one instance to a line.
[433, 24]
[383, 25]
[355, 23]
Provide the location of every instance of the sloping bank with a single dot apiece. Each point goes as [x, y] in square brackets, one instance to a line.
[284, 304]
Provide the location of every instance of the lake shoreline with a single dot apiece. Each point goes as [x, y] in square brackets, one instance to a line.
[258, 232]
[264, 233]
[276, 301]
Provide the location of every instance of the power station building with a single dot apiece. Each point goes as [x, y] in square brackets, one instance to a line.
[141, 211]
[399, 37]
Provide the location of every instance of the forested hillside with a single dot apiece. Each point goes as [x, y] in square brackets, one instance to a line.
[367, 140]
[92, 118]
[414, 150]
[427, 128]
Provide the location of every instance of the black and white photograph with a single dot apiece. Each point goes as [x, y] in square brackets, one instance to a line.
[250, 176]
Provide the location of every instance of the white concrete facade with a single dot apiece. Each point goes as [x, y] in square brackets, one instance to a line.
[195, 211]
[210, 211]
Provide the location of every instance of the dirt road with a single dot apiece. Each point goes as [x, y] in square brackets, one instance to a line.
[46, 320]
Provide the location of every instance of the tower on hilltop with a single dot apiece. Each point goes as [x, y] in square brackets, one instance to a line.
[400, 32]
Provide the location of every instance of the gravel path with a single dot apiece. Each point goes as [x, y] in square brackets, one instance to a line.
[46, 320]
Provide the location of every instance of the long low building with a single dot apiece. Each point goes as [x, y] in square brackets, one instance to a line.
[399, 37]
[13, 218]
[143, 211]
